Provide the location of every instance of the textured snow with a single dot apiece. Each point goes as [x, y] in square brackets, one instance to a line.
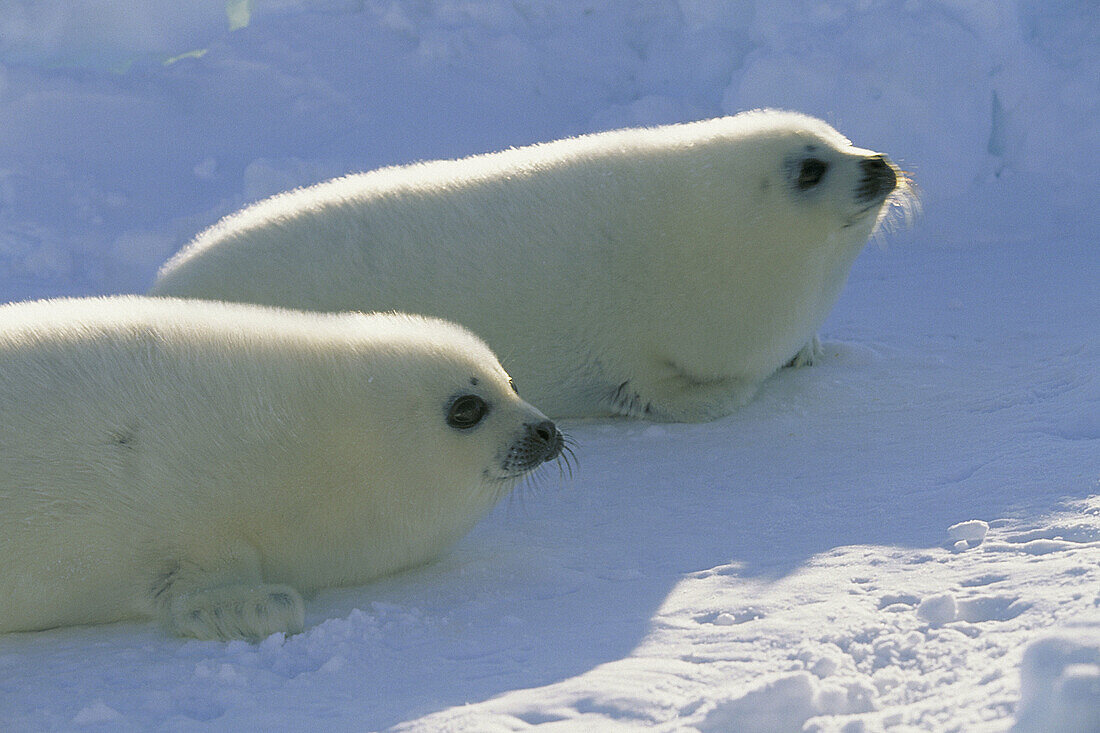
[904, 537]
[973, 530]
[1060, 680]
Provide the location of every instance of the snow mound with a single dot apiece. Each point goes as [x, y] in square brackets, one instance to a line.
[971, 532]
[1060, 683]
[785, 703]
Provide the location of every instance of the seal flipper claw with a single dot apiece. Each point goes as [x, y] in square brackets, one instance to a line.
[223, 596]
[250, 612]
[808, 355]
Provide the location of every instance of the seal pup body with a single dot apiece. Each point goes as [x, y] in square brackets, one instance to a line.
[204, 463]
[661, 272]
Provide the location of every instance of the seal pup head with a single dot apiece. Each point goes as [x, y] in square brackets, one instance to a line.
[458, 410]
[812, 184]
[869, 183]
[536, 442]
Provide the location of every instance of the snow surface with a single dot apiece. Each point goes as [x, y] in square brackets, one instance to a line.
[905, 537]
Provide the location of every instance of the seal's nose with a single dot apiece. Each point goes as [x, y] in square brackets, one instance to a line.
[879, 179]
[545, 438]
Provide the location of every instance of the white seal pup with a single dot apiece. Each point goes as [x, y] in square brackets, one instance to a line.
[204, 463]
[660, 273]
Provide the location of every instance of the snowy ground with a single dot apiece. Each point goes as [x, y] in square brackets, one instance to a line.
[906, 537]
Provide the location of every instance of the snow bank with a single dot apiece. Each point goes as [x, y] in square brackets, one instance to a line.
[106, 35]
[1060, 683]
[124, 123]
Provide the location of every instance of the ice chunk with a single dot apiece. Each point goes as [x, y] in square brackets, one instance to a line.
[939, 609]
[972, 530]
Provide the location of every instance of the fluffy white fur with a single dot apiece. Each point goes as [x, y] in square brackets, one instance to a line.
[659, 272]
[203, 463]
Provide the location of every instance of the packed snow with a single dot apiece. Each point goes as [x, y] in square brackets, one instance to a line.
[904, 537]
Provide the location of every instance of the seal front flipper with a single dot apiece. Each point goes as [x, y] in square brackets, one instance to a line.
[672, 394]
[808, 355]
[250, 612]
[225, 598]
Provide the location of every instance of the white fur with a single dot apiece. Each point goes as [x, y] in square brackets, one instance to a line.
[203, 463]
[659, 272]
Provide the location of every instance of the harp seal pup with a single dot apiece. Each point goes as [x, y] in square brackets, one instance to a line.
[658, 272]
[205, 463]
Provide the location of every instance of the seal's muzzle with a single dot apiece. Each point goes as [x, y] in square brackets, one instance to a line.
[540, 442]
[545, 435]
[879, 180]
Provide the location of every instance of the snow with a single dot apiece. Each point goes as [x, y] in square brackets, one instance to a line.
[939, 609]
[971, 532]
[903, 537]
[1061, 683]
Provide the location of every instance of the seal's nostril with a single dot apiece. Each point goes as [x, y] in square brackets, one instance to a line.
[879, 178]
[544, 430]
[877, 169]
[547, 437]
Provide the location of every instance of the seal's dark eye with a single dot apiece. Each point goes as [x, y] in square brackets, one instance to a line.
[811, 172]
[466, 412]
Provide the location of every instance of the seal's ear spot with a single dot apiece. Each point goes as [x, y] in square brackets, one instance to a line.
[466, 411]
[810, 173]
